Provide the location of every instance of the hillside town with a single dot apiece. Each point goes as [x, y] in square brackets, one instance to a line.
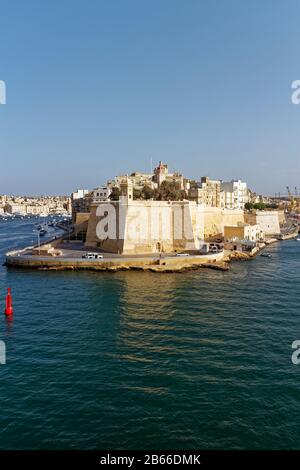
[149, 186]
[12, 206]
[162, 184]
[158, 221]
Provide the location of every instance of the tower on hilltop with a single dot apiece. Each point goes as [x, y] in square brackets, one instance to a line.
[160, 173]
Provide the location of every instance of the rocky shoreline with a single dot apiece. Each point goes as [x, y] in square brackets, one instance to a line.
[220, 262]
[154, 268]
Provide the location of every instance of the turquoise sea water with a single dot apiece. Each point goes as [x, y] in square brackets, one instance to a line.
[151, 361]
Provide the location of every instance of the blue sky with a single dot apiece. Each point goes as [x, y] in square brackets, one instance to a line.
[96, 88]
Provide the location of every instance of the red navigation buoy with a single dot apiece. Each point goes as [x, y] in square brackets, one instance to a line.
[8, 303]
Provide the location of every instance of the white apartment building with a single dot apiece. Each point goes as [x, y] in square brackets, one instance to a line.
[243, 232]
[234, 194]
[80, 193]
[101, 194]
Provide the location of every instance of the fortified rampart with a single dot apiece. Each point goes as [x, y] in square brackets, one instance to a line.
[215, 219]
[268, 221]
[136, 227]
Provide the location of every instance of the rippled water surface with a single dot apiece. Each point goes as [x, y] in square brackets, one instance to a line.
[151, 361]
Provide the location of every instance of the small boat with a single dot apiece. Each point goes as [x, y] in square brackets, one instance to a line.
[265, 254]
[297, 239]
[42, 232]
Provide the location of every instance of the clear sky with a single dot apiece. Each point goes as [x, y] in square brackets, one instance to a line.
[96, 88]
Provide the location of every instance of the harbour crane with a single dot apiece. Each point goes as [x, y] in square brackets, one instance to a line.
[291, 197]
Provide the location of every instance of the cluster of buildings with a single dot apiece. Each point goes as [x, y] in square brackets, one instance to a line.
[206, 210]
[44, 205]
[215, 193]
[211, 193]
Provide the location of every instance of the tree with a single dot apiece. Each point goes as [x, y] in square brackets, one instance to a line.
[248, 206]
[115, 194]
[259, 206]
[170, 191]
[147, 192]
[137, 194]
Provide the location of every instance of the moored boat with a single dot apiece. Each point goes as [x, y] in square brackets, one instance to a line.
[265, 254]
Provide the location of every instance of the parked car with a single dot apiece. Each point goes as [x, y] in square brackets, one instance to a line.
[92, 256]
[182, 254]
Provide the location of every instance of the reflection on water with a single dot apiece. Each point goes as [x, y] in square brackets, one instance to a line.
[200, 359]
